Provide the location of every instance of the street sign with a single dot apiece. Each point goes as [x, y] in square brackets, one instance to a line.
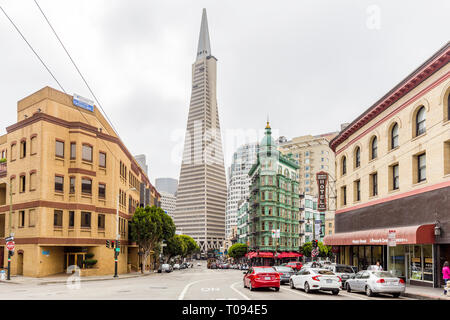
[10, 245]
[391, 239]
[82, 102]
[118, 249]
[9, 239]
[164, 245]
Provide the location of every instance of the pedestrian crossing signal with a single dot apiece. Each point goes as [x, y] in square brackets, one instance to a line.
[118, 243]
[108, 243]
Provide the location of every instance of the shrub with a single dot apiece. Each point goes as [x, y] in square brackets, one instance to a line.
[89, 263]
[89, 255]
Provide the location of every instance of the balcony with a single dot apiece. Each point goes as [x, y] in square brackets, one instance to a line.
[301, 221]
[3, 169]
[301, 208]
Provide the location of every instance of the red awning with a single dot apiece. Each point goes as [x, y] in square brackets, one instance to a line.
[262, 254]
[288, 255]
[421, 234]
[251, 255]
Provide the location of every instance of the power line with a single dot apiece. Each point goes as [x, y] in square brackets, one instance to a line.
[35, 53]
[76, 67]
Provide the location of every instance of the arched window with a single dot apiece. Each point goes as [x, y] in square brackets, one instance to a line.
[394, 136]
[420, 121]
[357, 157]
[374, 148]
[448, 106]
[344, 165]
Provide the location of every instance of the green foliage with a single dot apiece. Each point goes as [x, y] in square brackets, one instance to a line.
[2, 160]
[175, 247]
[190, 246]
[237, 250]
[89, 263]
[89, 255]
[324, 251]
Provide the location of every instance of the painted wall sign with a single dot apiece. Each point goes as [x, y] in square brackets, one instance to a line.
[322, 178]
[82, 102]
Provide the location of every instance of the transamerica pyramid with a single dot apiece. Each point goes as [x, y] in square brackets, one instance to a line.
[202, 189]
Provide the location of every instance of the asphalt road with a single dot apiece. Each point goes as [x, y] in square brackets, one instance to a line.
[198, 283]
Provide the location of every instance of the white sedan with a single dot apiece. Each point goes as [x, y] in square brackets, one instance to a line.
[372, 282]
[312, 279]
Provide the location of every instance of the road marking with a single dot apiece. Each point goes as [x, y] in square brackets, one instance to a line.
[186, 288]
[297, 292]
[353, 296]
[243, 295]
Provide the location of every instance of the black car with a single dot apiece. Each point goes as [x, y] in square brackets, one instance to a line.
[345, 272]
[285, 273]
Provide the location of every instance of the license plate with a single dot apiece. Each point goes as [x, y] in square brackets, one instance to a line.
[329, 281]
[268, 278]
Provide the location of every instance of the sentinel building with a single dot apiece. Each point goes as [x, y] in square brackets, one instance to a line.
[202, 191]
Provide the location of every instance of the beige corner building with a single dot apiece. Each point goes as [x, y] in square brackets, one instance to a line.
[68, 171]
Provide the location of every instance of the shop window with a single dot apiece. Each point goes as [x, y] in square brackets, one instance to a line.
[59, 149]
[57, 218]
[73, 150]
[87, 153]
[71, 219]
[86, 186]
[59, 184]
[85, 219]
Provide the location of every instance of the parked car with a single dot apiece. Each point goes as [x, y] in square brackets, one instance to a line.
[373, 282]
[310, 279]
[261, 277]
[166, 268]
[213, 266]
[313, 264]
[176, 266]
[244, 267]
[344, 271]
[293, 264]
[285, 273]
[199, 264]
[183, 266]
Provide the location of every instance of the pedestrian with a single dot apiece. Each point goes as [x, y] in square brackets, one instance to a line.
[446, 275]
[378, 266]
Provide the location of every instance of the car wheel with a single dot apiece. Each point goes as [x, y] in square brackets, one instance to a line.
[369, 292]
[396, 295]
[291, 284]
[307, 289]
[335, 292]
[349, 289]
[277, 288]
[251, 287]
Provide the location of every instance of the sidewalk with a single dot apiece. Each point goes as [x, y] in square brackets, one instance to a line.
[425, 293]
[62, 278]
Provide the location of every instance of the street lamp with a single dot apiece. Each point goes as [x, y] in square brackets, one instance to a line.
[116, 253]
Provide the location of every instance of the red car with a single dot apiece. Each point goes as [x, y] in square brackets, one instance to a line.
[294, 265]
[261, 277]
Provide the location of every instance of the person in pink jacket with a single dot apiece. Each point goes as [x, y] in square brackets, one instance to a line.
[446, 275]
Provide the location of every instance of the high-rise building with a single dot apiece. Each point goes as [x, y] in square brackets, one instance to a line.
[238, 182]
[168, 185]
[168, 202]
[202, 191]
[142, 160]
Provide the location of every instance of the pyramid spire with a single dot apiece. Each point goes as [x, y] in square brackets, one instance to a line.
[204, 47]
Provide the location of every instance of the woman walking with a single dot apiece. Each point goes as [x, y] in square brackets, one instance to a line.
[446, 275]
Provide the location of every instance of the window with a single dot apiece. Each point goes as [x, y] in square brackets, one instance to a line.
[72, 185]
[344, 165]
[101, 190]
[102, 159]
[395, 177]
[13, 184]
[59, 183]
[32, 218]
[448, 106]
[85, 219]
[32, 181]
[87, 153]
[344, 195]
[421, 168]
[71, 219]
[101, 221]
[86, 185]
[58, 218]
[59, 152]
[22, 184]
[394, 136]
[13, 152]
[33, 142]
[447, 157]
[374, 184]
[23, 149]
[21, 219]
[420, 121]
[73, 150]
[357, 157]
[357, 187]
[374, 148]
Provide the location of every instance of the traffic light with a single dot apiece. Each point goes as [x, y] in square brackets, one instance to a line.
[314, 244]
[108, 244]
[112, 244]
[118, 244]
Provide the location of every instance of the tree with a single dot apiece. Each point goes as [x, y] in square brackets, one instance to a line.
[175, 247]
[190, 246]
[324, 251]
[237, 250]
[150, 226]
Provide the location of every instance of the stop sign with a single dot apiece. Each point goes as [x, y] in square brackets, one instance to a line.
[10, 245]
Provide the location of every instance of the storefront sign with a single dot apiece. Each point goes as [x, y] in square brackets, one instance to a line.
[322, 178]
[82, 102]
[391, 238]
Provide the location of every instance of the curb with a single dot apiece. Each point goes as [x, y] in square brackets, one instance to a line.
[424, 296]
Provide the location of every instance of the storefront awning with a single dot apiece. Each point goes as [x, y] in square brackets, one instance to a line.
[265, 254]
[288, 255]
[421, 234]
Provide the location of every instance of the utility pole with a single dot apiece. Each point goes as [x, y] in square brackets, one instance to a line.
[10, 230]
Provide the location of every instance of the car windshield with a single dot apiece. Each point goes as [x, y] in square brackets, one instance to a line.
[325, 272]
[343, 269]
[264, 270]
[383, 274]
[283, 269]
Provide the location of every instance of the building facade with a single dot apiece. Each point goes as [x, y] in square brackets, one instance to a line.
[168, 185]
[238, 182]
[168, 203]
[68, 171]
[393, 177]
[309, 219]
[274, 200]
[202, 192]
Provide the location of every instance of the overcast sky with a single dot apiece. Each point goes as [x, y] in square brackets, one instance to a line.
[309, 65]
